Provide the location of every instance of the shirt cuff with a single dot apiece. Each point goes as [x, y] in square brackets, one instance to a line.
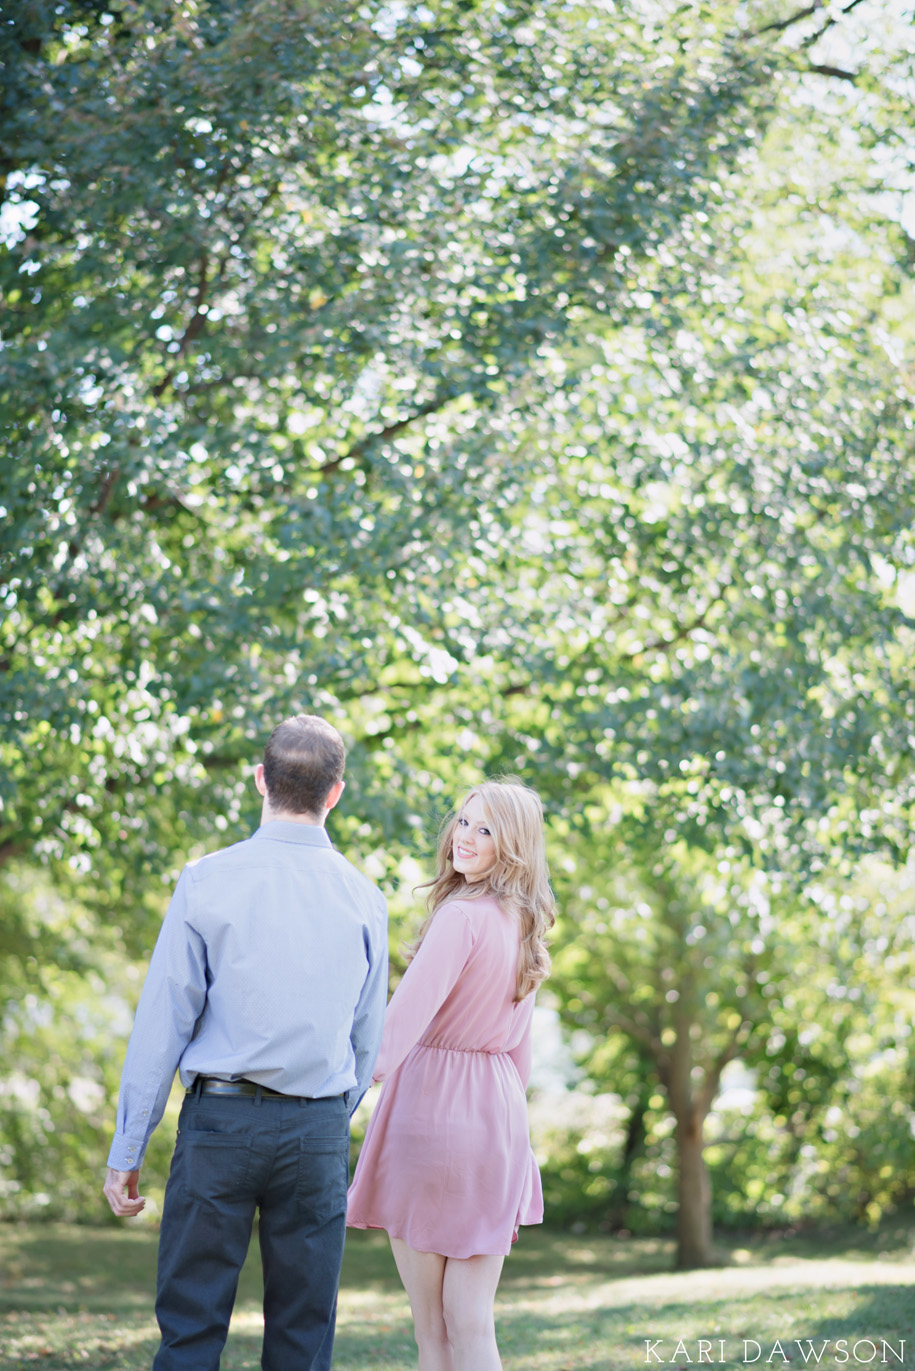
[126, 1153]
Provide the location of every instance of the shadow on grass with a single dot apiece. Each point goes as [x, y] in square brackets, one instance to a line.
[881, 1312]
[50, 1265]
[54, 1265]
[894, 1240]
[547, 1258]
[46, 1266]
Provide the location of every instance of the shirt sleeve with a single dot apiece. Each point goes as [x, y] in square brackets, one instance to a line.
[368, 1019]
[426, 984]
[171, 1002]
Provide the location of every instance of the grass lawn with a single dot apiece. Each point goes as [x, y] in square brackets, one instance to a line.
[82, 1297]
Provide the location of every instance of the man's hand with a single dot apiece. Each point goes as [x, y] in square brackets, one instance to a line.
[125, 1206]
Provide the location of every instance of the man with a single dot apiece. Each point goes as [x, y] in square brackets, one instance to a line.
[266, 990]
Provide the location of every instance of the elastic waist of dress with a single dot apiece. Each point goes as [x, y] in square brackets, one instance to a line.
[475, 1051]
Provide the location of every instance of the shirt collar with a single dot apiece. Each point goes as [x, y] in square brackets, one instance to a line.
[287, 831]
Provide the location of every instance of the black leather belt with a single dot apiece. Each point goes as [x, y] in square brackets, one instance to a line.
[210, 1085]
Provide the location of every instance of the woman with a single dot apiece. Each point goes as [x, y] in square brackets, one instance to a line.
[446, 1166]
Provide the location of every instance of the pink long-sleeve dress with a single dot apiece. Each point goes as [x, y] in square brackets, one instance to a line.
[447, 1164]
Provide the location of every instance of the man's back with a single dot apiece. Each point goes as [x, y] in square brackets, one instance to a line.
[289, 926]
[270, 966]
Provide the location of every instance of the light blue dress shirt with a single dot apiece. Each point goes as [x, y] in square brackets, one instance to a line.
[272, 965]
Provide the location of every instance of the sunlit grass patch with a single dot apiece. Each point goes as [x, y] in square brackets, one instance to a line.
[69, 1338]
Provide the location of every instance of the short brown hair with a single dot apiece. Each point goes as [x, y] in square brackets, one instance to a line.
[303, 761]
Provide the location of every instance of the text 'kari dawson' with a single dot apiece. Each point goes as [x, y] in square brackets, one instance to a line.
[822, 1352]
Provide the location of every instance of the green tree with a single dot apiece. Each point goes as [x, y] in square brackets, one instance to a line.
[696, 962]
[462, 373]
[275, 311]
[831, 1132]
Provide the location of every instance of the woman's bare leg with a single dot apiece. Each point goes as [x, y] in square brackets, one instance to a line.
[423, 1274]
[468, 1299]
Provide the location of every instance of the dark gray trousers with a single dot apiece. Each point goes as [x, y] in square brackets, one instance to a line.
[235, 1155]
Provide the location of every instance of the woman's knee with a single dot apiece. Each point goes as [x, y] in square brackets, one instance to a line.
[428, 1322]
[431, 1335]
[467, 1321]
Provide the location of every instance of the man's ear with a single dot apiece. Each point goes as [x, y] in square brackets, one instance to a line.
[259, 780]
[334, 794]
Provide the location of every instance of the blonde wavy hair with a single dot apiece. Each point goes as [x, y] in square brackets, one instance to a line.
[519, 879]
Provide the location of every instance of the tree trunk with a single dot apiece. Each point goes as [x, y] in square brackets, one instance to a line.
[618, 1212]
[694, 1192]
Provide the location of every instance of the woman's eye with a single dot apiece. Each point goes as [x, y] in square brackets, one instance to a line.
[485, 832]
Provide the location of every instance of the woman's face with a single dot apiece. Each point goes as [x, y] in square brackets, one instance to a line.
[473, 851]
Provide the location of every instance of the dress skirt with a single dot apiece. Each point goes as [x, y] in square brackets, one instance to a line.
[447, 1164]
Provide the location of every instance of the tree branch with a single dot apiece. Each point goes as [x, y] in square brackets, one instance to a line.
[684, 631]
[823, 69]
[805, 13]
[173, 499]
[739, 1039]
[358, 450]
[106, 489]
[636, 1031]
[10, 850]
[195, 325]
[792, 19]
[812, 38]
[205, 282]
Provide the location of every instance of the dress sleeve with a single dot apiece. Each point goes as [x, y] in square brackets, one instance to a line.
[426, 984]
[521, 1053]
